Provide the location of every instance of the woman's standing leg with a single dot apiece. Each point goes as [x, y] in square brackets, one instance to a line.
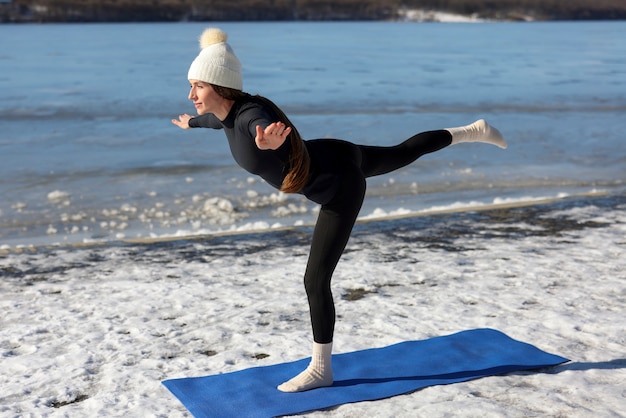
[331, 234]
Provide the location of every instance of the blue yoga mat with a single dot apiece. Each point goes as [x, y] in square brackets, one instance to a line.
[361, 375]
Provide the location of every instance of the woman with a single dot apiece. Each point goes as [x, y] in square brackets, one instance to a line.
[329, 172]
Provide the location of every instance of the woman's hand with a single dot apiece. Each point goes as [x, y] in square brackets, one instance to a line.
[182, 121]
[271, 137]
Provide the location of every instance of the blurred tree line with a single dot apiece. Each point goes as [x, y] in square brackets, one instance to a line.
[250, 10]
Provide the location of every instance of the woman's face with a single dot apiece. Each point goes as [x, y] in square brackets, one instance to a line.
[204, 98]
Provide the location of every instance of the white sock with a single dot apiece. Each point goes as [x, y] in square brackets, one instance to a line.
[318, 374]
[479, 131]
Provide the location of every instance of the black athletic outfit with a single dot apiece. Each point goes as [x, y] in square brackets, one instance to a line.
[337, 183]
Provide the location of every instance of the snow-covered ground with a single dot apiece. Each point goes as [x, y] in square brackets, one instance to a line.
[91, 331]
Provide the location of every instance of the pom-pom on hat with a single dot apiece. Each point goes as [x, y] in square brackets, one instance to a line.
[216, 63]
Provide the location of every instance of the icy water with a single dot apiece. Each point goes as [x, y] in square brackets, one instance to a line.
[88, 153]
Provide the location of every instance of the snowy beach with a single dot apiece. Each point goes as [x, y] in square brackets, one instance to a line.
[92, 331]
[132, 252]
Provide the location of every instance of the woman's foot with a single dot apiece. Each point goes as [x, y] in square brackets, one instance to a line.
[307, 380]
[318, 374]
[479, 131]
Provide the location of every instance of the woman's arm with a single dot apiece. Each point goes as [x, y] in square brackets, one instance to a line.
[271, 137]
[208, 120]
[182, 121]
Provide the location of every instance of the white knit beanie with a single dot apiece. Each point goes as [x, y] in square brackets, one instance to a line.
[216, 63]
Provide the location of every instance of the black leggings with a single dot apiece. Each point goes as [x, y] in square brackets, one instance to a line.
[336, 218]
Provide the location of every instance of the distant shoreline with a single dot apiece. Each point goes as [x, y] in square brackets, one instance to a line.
[94, 11]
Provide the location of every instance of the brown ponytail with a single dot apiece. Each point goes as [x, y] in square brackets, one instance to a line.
[299, 160]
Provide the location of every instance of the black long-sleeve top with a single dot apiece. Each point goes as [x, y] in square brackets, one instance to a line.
[271, 165]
